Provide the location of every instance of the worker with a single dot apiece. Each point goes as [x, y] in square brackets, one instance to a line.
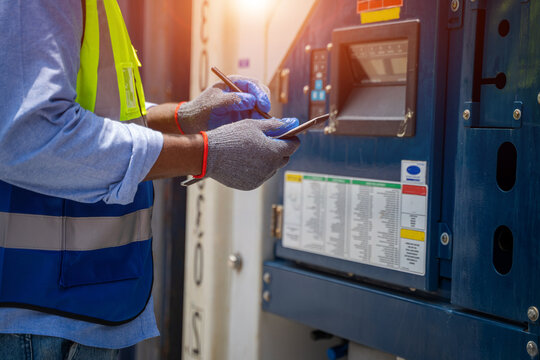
[75, 157]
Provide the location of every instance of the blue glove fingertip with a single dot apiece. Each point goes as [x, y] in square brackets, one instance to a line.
[263, 102]
[289, 124]
[286, 125]
[247, 102]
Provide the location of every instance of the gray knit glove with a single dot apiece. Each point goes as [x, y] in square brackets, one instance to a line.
[243, 156]
[217, 105]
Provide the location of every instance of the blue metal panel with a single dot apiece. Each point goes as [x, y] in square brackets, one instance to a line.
[376, 157]
[483, 206]
[478, 313]
[410, 327]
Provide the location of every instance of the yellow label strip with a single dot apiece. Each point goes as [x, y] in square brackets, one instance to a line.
[294, 178]
[380, 15]
[413, 234]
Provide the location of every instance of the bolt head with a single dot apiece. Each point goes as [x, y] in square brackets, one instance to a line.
[532, 348]
[267, 277]
[517, 114]
[454, 5]
[235, 261]
[266, 296]
[532, 313]
[466, 114]
[329, 46]
[307, 48]
[306, 89]
[445, 238]
[328, 88]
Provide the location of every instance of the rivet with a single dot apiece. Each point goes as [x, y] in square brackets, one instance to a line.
[235, 261]
[307, 48]
[466, 114]
[267, 277]
[445, 238]
[517, 114]
[532, 348]
[329, 46]
[532, 313]
[306, 89]
[266, 296]
[328, 88]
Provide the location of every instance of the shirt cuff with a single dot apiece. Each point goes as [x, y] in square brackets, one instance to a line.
[147, 145]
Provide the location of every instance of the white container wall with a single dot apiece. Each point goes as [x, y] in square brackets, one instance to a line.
[222, 306]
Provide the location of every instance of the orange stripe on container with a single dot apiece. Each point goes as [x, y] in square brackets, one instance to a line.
[375, 4]
[362, 6]
[388, 3]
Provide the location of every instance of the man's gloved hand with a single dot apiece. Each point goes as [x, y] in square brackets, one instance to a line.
[242, 155]
[218, 105]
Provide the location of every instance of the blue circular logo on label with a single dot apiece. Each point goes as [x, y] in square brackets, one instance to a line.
[413, 170]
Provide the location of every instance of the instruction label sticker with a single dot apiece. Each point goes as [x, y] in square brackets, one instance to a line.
[379, 223]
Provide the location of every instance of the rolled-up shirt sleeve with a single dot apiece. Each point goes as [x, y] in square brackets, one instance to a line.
[48, 143]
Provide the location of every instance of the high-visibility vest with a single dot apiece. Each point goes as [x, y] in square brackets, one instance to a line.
[86, 261]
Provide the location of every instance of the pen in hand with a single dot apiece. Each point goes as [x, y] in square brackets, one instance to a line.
[230, 84]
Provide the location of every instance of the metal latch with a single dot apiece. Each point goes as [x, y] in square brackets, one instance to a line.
[276, 227]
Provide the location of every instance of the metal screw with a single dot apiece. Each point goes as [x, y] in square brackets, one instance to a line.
[445, 238]
[466, 114]
[329, 46]
[532, 313]
[306, 89]
[328, 88]
[266, 296]
[517, 114]
[532, 348]
[235, 261]
[454, 5]
[307, 48]
[267, 277]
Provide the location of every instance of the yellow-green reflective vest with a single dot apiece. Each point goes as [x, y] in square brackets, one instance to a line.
[108, 82]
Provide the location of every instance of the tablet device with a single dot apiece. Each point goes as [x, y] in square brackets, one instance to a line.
[301, 128]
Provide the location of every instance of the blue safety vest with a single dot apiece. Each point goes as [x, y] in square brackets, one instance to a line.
[86, 261]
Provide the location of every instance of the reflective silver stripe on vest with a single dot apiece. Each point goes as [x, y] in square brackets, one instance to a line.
[41, 232]
[107, 97]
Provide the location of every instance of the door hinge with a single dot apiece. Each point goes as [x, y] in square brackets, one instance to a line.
[276, 227]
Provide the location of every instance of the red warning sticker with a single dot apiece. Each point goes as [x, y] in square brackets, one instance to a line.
[370, 5]
[414, 190]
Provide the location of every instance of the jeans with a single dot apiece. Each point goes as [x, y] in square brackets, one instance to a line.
[34, 347]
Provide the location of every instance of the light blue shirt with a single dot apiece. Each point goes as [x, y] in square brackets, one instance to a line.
[50, 145]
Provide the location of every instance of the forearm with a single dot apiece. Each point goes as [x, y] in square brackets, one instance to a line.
[161, 118]
[180, 155]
